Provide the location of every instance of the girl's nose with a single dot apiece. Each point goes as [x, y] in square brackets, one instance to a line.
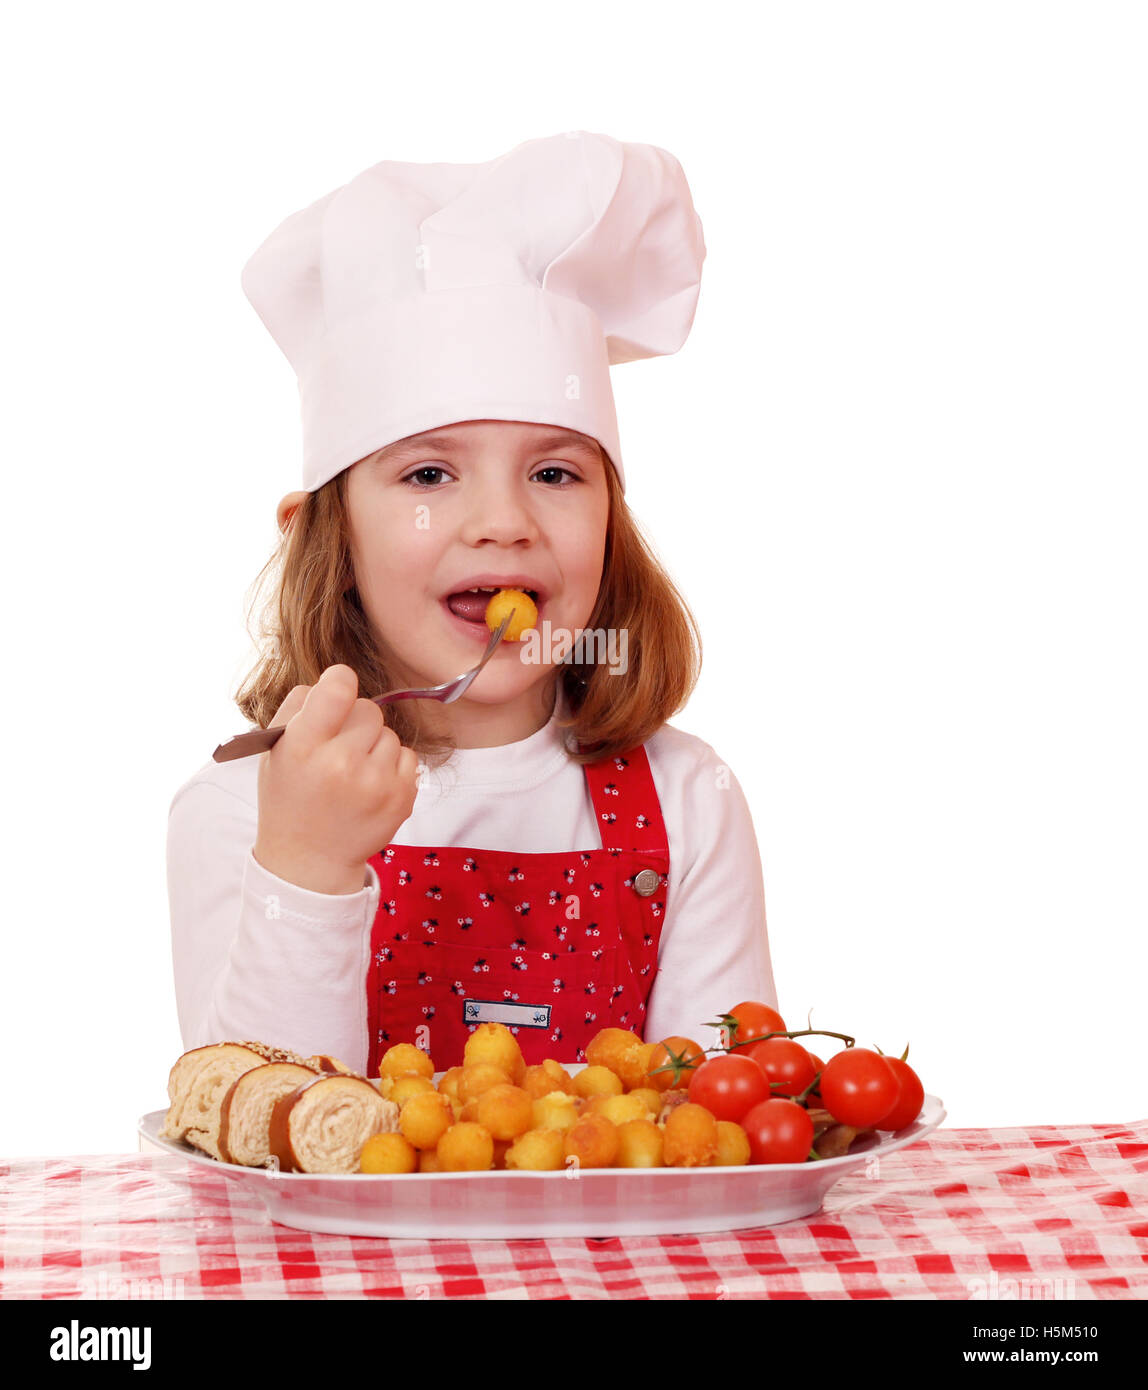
[499, 511]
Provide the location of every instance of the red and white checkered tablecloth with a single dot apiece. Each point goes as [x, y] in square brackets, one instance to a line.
[958, 1215]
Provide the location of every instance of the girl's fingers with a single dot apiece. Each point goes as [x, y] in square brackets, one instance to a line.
[400, 766]
[332, 709]
[397, 760]
[365, 728]
[408, 763]
[290, 706]
[325, 708]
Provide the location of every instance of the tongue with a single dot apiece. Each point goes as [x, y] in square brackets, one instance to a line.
[469, 605]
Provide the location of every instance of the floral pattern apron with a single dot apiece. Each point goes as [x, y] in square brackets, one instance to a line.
[556, 946]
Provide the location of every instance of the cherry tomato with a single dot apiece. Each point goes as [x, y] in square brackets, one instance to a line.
[728, 1086]
[912, 1096]
[690, 1054]
[785, 1063]
[779, 1130]
[755, 1020]
[859, 1088]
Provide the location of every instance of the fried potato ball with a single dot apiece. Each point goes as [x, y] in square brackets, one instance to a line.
[386, 1085]
[623, 1052]
[465, 1148]
[644, 1059]
[597, 1081]
[690, 1137]
[640, 1144]
[525, 613]
[507, 1111]
[547, 1076]
[425, 1118]
[448, 1082]
[617, 1109]
[495, 1043]
[538, 1150]
[428, 1161]
[388, 1153]
[403, 1088]
[608, 1043]
[593, 1142]
[558, 1110]
[651, 1098]
[564, 1081]
[688, 1051]
[478, 1077]
[403, 1058]
[732, 1145]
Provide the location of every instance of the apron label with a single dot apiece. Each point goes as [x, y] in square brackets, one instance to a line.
[492, 1011]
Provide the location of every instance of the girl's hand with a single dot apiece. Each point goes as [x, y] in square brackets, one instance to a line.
[334, 789]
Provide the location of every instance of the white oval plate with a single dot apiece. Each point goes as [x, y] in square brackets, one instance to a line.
[509, 1205]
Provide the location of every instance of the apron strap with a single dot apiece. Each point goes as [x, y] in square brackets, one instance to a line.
[626, 803]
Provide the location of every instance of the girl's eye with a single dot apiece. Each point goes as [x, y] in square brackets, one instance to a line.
[419, 478]
[553, 468]
[431, 474]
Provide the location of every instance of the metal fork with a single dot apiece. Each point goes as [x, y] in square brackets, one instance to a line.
[259, 740]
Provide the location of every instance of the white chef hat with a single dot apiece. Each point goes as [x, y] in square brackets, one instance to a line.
[420, 295]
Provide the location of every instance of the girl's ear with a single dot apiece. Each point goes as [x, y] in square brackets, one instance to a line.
[287, 508]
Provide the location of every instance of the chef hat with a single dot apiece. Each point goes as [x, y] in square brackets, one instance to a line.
[419, 295]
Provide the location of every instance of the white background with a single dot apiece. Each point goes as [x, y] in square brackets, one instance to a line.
[898, 470]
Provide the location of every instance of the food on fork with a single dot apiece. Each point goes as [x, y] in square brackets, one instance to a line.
[523, 606]
[474, 605]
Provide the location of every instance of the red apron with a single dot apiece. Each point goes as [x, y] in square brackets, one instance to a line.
[556, 946]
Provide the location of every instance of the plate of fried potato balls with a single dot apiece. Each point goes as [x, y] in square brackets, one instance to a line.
[496, 1149]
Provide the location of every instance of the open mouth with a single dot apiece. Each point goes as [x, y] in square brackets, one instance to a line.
[470, 604]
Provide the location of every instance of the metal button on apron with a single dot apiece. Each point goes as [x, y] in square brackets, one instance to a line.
[646, 882]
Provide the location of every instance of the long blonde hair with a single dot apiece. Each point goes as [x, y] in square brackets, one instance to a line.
[314, 619]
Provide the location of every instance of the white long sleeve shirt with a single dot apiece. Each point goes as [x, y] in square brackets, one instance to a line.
[258, 957]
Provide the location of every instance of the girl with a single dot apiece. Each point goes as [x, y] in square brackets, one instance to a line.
[547, 851]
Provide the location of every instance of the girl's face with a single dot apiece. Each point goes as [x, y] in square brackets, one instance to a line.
[484, 503]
